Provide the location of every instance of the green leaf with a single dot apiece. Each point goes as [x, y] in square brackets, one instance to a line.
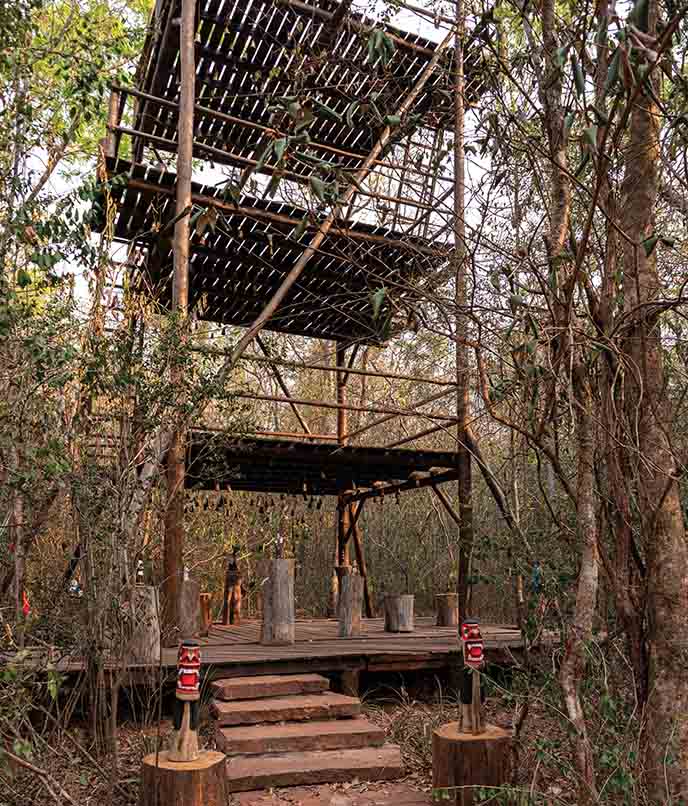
[560, 56]
[294, 110]
[279, 146]
[327, 111]
[318, 187]
[639, 13]
[590, 134]
[578, 76]
[23, 278]
[393, 120]
[275, 180]
[300, 228]
[376, 301]
[613, 71]
[568, 123]
[264, 156]
[649, 244]
[353, 106]
[495, 280]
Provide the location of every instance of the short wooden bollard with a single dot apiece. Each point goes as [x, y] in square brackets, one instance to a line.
[190, 622]
[447, 605]
[399, 613]
[201, 782]
[463, 763]
[350, 603]
[278, 604]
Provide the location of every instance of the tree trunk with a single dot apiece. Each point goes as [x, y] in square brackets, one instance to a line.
[650, 418]
[350, 602]
[399, 613]
[447, 605]
[144, 647]
[463, 763]
[573, 665]
[192, 783]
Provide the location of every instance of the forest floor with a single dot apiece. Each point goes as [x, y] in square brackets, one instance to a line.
[69, 774]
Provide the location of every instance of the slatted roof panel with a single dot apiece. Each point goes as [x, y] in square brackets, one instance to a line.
[294, 467]
[235, 269]
[251, 52]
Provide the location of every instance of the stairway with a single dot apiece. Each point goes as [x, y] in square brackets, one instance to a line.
[291, 730]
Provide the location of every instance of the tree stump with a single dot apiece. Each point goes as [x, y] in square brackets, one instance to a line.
[464, 762]
[447, 609]
[399, 613]
[349, 608]
[183, 783]
[278, 604]
[190, 623]
[206, 616]
[144, 647]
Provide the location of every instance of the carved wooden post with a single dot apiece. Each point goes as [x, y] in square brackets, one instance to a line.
[278, 604]
[350, 603]
[447, 605]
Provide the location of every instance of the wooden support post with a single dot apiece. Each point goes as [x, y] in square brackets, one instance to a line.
[206, 617]
[447, 605]
[144, 646]
[231, 597]
[350, 600]
[463, 763]
[399, 613]
[343, 511]
[174, 514]
[190, 622]
[278, 604]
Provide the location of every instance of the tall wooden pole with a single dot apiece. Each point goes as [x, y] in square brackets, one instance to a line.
[174, 514]
[461, 322]
[343, 513]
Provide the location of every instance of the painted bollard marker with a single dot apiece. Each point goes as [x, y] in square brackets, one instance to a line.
[469, 756]
[184, 774]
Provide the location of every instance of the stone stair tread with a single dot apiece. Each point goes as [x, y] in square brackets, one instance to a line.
[246, 773]
[270, 685]
[285, 737]
[327, 705]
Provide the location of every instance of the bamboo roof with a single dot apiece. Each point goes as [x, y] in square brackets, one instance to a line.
[236, 267]
[218, 462]
[251, 52]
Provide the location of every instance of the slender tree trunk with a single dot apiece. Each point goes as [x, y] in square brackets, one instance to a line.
[461, 299]
[649, 421]
[573, 665]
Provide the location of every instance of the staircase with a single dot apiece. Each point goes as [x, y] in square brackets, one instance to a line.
[291, 730]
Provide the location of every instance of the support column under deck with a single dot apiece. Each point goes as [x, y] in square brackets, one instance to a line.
[173, 560]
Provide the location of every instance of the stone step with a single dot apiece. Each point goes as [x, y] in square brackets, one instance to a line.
[331, 734]
[269, 685]
[246, 773]
[285, 709]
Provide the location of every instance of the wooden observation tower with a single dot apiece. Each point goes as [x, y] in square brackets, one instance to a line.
[281, 169]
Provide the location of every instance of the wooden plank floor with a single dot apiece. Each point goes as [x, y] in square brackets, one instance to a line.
[237, 650]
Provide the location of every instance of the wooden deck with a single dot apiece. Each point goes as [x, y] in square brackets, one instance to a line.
[235, 651]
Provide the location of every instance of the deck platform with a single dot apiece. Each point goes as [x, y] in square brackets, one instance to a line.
[231, 651]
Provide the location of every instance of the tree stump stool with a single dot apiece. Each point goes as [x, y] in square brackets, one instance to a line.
[183, 783]
[399, 613]
[447, 605]
[350, 604]
[463, 763]
[278, 604]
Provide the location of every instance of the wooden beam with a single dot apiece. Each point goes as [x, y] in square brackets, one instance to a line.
[411, 484]
[348, 407]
